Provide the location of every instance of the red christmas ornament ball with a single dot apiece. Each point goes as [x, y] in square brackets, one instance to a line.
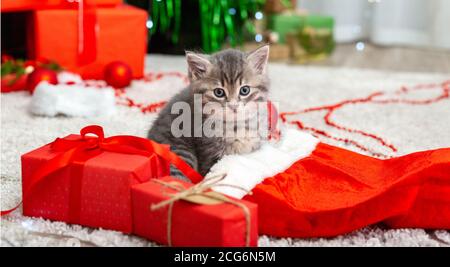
[11, 83]
[118, 74]
[39, 75]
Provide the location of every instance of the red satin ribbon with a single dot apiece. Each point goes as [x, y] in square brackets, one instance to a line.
[87, 33]
[79, 150]
[87, 29]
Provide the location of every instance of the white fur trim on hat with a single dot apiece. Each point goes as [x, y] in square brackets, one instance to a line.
[72, 100]
[247, 171]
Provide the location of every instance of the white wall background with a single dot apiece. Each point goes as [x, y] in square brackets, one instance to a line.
[424, 23]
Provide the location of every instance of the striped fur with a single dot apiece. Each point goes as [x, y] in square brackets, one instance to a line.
[229, 70]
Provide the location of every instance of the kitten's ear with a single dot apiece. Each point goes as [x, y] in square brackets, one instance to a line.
[258, 59]
[198, 65]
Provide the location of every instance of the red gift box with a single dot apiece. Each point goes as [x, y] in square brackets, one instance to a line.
[217, 225]
[86, 44]
[25, 5]
[87, 180]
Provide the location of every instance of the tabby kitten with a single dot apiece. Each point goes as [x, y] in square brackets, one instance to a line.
[227, 82]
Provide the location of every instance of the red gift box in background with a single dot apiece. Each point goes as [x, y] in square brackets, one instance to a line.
[94, 188]
[26, 5]
[216, 225]
[121, 35]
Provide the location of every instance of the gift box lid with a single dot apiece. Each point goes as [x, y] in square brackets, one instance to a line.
[105, 160]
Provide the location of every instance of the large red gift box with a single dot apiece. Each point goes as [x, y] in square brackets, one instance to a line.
[87, 180]
[25, 5]
[217, 225]
[118, 34]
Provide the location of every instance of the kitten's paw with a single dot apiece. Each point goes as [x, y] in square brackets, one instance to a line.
[243, 146]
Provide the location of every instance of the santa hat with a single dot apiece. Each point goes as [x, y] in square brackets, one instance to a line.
[72, 97]
[305, 188]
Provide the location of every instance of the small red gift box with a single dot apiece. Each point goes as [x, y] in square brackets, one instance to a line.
[223, 224]
[86, 44]
[87, 180]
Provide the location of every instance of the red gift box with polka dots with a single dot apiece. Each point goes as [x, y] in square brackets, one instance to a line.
[100, 185]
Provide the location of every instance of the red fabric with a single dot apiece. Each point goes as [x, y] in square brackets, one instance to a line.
[192, 224]
[87, 180]
[334, 191]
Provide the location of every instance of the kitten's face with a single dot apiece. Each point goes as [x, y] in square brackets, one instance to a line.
[230, 82]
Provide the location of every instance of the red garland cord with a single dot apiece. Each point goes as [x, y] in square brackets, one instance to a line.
[445, 88]
[150, 77]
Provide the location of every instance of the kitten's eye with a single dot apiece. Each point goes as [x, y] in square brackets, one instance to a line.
[219, 92]
[245, 90]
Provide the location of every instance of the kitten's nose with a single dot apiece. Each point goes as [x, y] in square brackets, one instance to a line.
[233, 106]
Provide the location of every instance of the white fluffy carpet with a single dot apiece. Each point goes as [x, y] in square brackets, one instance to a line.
[410, 128]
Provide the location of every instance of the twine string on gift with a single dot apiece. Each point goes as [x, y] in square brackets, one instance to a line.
[200, 194]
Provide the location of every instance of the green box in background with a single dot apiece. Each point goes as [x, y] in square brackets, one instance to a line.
[316, 35]
[313, 34]
[285, 23]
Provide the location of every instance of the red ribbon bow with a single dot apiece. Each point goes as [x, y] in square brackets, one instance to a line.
[86, 147]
